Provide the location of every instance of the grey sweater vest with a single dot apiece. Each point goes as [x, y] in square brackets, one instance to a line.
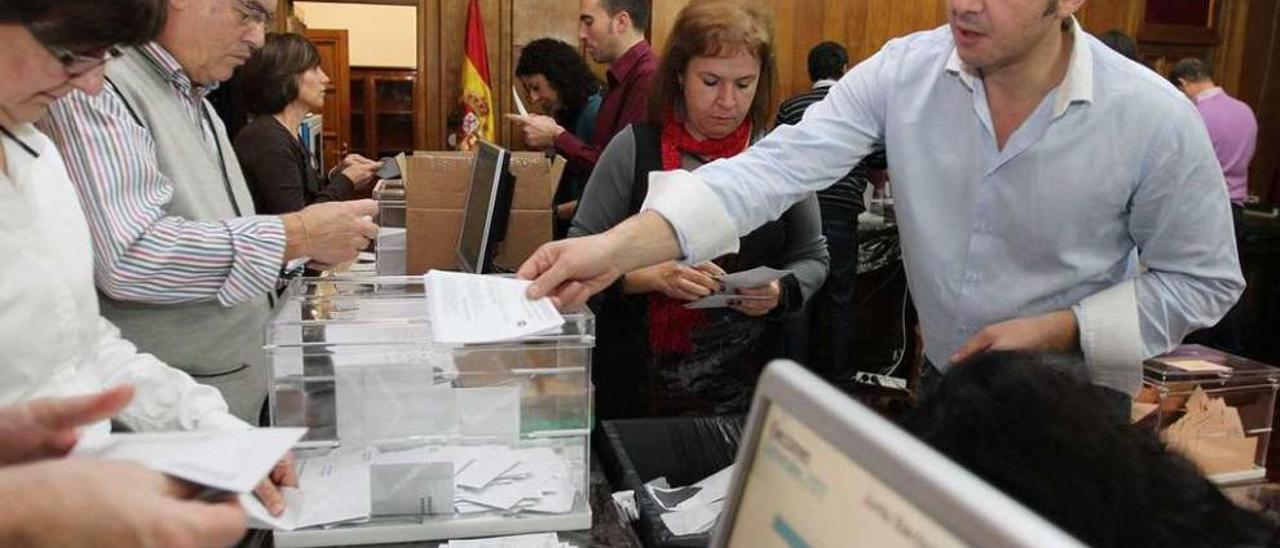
[218, 346]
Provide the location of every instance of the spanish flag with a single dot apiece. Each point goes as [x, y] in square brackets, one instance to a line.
[477, 94]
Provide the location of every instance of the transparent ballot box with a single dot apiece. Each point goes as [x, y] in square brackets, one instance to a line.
[412, 440]
[1212, 407]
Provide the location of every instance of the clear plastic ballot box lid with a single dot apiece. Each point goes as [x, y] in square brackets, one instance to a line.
[353, 360]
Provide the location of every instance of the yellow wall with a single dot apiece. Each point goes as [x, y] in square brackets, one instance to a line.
[380, 36]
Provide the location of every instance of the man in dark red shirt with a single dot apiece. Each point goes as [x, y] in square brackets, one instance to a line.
[613, 32]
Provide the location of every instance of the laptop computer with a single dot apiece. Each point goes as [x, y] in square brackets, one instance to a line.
[818, 469]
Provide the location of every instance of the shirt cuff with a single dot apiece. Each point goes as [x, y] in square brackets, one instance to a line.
[1111, 338]
[257, 254]
[221, 420]
[702, 224]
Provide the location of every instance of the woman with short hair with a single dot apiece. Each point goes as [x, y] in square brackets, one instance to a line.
[280, 85]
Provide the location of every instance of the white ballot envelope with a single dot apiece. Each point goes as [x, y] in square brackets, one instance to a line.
[227, 460]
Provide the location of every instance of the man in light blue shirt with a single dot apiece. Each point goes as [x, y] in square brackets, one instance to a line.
[1033, 167]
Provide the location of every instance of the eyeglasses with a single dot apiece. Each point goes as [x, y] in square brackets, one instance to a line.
[252, 13]
[76, 63]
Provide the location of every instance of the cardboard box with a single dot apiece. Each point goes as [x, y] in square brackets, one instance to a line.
[436, 188]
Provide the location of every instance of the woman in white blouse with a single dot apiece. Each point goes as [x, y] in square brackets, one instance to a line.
[55, 343]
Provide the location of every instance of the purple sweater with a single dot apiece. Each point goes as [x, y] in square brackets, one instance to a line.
[1234, 132]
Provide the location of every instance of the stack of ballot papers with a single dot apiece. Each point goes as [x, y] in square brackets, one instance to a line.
[693, 509]
[473, 308]
[541, 540]
[350, 485]
[224, 461]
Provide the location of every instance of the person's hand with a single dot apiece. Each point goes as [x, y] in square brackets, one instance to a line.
[362, 175]
[355, 160]
[571, 270]
[330, 233]
[539, 131]
[283, 475]
[767, 299]
[1051, 332]
[90, 502]
[47, 428]
[674, 280]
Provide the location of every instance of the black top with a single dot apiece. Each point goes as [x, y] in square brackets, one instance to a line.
[278, 173]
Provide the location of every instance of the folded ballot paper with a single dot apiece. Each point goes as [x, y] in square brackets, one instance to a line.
[731, 283]
[231, 461]
[474, 308]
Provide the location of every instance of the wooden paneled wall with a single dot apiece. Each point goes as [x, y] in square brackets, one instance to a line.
[862, 26]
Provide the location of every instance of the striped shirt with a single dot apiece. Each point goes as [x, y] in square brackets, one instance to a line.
[140, 252]
[842, 200]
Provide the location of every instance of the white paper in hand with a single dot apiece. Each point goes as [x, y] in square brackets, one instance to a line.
[474, 308]
[519, 103]
[755, 277]
[229, 460]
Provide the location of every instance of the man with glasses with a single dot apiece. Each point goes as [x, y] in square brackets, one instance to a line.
[183, 265]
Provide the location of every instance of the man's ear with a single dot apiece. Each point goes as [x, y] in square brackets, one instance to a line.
[622, 22]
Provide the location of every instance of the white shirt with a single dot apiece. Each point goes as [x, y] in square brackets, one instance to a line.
[1113, 165]
[53, 339]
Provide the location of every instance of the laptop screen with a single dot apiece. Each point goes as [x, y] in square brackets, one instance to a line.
[816, 468]
[802, 491]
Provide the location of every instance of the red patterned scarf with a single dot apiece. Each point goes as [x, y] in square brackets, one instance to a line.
[670, 323]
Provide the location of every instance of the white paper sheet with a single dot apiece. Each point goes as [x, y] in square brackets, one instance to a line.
[473, 308]
[519, 102]
[695, 520]
[332, 488]
[484, 469]
[539, 540]
[229, 460]
[755, 277]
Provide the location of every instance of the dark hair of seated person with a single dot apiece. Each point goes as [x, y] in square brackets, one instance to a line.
[1033, 426]
[269, 80]
[83, 26]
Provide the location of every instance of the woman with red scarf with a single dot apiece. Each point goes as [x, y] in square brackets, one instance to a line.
[653, 356]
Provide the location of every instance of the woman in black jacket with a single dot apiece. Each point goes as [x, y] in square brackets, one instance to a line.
[282, 84]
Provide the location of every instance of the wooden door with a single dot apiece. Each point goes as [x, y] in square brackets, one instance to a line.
[335, 62]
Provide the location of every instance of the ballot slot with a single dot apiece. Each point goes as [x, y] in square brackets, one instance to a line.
[1213, 407]
[425, 440]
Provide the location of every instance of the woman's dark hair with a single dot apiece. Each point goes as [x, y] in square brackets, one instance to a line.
[269, 80]
[714, 28]
[80, 25]
[564, 69]
[1034, 427]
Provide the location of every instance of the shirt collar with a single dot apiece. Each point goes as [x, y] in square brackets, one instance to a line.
[619, 69]
[26, 137]
[168, 66]
[1076, 86]
[824, 83]
[1209, 93]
